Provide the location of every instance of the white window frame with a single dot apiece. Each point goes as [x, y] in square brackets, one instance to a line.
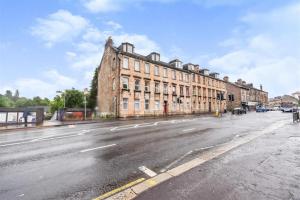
[147, 68]
[156, 70]
[137, 65]
[157, 104]
[125, 102]
[157, 87]
[124, 82]
[125, 64]
[137, 87]
[165, 72]
[137, 104]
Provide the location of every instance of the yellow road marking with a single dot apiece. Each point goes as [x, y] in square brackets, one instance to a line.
[151, 182]
[128, 185]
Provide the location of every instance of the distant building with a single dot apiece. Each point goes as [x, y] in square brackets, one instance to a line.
[130, 84]
[241, 94]
[237, 95]
[296, 95]
[284, 101]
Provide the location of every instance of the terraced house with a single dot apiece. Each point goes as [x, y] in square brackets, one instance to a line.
[130, 84]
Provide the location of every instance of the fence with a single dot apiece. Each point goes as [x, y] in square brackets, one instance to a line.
[14, 116]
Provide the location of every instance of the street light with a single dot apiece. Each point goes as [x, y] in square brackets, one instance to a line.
[85, 93]
[64, 98]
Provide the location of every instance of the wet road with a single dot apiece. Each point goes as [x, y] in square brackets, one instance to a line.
[85, 161]
[267, 168]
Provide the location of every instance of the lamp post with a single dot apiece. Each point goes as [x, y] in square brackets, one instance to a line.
[85, 93]
[64, 97]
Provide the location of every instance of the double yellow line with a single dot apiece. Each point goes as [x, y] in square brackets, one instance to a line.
[124, 187]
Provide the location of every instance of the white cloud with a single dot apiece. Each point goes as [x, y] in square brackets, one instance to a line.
[59, 26]
[46, 86]
[267, 50]
[114, 25]
[101, 6]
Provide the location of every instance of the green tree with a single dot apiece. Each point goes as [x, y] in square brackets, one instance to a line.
[74, 98]
[6, 102]
[23, 102]
[56, 104]
[16, 95]
[8, 94]
[92, 98]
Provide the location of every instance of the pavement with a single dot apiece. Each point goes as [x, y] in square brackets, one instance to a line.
[86, 161]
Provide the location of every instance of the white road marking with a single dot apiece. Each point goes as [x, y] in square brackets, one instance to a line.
[188, 130]
[175, 162]
[92, 149]
[147, 171]
[21, 195]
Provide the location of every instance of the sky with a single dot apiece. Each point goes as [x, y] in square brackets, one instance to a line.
[53, 45]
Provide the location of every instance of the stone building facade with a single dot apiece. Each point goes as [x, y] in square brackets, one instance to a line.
[130, 84]
[237, 95]
[241, 94]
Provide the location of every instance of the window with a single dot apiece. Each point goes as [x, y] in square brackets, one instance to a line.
[125, 63]
[165, 72]
[147, 68]
[136, 104]
[129, 48]
[174, 89]
[194, 78]
[146, 104]
[199, 91]
[157, 105]
[165, 88]
[174, 103]
[187, 77]
[114, 84]
[156, 71]
[156, 87]
[147, 86]
[181, 90]
[125, 103]
[125, 82]
[173, 74]
[198, 79]
[194, 90]
[181, 76]
[137, 65]
[137, 85]
[187, 91]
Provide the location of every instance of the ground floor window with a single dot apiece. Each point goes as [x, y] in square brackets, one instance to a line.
[146, 104]
[125, 103]
[136, 104]
[157, 105]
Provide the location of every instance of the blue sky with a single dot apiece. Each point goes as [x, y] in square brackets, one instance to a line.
[54, 45]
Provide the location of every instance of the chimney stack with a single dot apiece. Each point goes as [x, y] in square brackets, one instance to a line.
[109, 42]
[240, 81]
[261, 87]
[226, 78]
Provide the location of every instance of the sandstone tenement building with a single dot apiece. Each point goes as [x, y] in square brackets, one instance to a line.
[130, 84]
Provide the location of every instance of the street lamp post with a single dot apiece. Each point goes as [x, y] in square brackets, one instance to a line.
[64, 96]
[85, 93]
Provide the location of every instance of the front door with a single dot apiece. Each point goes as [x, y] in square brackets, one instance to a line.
[209, 106]
[165, 107]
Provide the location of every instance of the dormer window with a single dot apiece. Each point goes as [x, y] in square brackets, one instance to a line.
[176, 63]
[127, 47]
[154, 56]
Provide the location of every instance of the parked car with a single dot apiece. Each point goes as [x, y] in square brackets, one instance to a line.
[261, 109]
[289, 109]
[239, 111]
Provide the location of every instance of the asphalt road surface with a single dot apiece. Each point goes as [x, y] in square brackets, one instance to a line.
[85, 161]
